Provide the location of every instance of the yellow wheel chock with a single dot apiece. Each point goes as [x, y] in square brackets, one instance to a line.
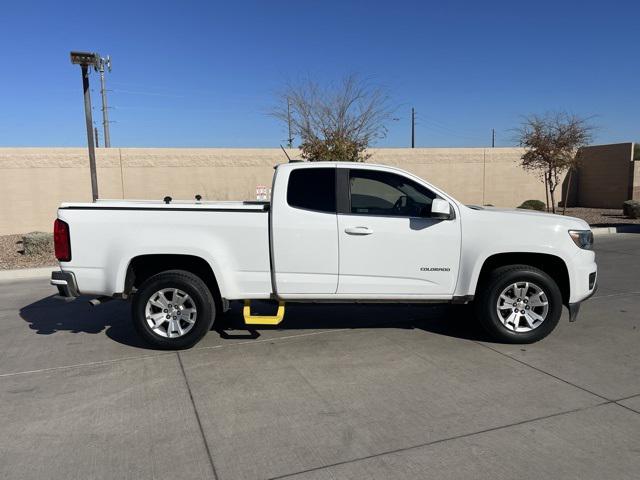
[262, 319]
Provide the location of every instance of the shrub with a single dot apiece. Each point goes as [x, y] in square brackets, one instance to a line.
[534, 205]
[631, 208]
[37, 243]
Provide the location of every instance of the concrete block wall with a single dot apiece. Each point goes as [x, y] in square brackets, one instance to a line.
[607, 176]
[36, 180]
[635, 182]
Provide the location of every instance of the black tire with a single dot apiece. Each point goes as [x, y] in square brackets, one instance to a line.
[490, 290]
[193, 286]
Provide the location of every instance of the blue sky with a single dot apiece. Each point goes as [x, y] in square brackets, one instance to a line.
[203, 73]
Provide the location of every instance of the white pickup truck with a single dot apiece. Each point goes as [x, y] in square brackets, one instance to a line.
[332, 232]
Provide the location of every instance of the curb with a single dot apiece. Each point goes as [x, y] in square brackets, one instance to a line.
[616, 229]
[26, 273]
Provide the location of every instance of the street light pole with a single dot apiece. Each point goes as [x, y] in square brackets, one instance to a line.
[89, 120]
[85, 60]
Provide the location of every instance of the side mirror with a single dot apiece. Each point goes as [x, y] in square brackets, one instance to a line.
[440, 208]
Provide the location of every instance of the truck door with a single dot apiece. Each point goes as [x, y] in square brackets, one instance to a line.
[304, 231]
[389, 244]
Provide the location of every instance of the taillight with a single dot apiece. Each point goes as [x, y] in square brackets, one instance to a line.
[61, 240]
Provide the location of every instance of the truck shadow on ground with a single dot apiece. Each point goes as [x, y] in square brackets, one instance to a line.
[50, 315]
[449, 320]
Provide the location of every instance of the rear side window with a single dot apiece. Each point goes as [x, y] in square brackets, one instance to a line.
[313, 189]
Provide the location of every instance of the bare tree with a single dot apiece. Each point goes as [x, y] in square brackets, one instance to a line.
[336, 122]
[552, 142]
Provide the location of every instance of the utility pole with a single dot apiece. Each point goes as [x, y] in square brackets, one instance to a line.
[413, 127]
[101, 64]
[86, 60]
[493, 138]
[95, 132]
[289, 138]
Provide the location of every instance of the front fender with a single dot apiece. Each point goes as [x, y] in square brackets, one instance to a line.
[471, 266]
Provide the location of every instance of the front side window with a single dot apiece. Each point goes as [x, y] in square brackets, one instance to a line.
[384, 193]
[313, 189]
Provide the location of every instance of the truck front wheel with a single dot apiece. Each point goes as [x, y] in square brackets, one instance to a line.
[173, 310]
[519, 304]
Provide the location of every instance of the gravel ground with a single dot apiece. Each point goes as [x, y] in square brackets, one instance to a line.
[11, 255]
[600, 217]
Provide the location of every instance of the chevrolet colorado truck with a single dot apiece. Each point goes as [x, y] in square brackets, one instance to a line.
[332, 232]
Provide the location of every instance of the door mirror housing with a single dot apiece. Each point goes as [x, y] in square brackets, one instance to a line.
[441, 209]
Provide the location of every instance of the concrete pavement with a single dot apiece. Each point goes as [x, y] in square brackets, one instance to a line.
[338, 392]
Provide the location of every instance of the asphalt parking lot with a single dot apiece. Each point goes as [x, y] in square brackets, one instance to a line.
[338, 392]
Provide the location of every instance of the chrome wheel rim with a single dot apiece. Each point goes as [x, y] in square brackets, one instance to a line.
[170, 313]
[522, 307]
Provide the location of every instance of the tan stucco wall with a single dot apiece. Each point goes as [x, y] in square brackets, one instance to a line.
[606, 175]
[36, 180]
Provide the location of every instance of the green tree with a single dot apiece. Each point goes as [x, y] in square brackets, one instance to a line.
[552, 143]
[335, 122]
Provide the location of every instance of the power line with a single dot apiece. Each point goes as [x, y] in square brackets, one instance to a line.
[438, 125]
[450, 131]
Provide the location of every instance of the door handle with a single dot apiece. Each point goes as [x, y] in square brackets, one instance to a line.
[358, 231]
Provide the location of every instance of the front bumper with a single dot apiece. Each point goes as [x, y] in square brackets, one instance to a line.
[66, 284]
[574, 308]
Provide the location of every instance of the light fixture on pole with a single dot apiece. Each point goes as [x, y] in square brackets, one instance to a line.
[86, 60]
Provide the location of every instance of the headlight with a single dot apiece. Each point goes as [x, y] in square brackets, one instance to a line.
[582, 238]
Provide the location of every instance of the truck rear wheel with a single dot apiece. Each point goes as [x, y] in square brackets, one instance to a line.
[173, 310]
[519, 304]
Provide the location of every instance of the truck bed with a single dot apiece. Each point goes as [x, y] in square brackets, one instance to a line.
[233, 237]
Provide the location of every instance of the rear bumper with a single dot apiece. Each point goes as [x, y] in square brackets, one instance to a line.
[65, 283]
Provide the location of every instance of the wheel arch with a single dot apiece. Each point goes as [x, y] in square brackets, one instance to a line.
[142, 267]
[552, 265]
